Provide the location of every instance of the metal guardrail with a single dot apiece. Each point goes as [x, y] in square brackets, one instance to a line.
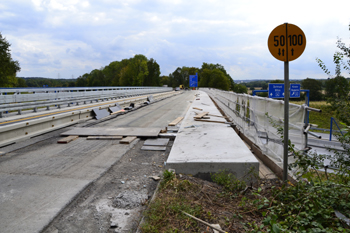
[17, 95]
[18, 99]
[43, 123]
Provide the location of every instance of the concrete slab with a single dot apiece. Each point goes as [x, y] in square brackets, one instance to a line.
[37, 183]
[154, 148]
[100, 113]
[209, 147]
[173, 129]
[30, 202]
[116, 108]
[156, 142]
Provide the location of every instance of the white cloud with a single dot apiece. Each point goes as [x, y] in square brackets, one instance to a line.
[71, 36]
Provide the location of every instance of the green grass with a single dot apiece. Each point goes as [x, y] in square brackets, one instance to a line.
[322, 119]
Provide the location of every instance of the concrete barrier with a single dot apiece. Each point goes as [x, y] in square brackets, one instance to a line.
[202, 148]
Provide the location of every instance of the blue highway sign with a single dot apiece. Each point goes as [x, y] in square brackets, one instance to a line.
[194, 80]
[276, 90]
[294, 91]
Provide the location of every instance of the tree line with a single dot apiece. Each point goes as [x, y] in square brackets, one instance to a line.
[135, 71]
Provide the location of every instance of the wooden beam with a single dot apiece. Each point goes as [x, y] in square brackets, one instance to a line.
[198, 108]
[200, 115]
[127, 140]
[223, 122]
[67, 139]
[113, 113]
[176, 121]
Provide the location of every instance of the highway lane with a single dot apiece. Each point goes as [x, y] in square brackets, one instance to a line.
[39, 180]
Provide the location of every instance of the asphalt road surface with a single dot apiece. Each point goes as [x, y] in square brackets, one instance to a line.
[41, 180]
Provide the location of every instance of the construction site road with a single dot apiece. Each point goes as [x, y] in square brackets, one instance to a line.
[79, 187]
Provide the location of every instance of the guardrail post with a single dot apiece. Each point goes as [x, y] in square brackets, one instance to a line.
[19, 112]
[47, 107]
[330, 133]
[35, 109]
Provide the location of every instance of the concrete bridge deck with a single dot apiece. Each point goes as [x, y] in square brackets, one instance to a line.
[201, 147]
[38, 181]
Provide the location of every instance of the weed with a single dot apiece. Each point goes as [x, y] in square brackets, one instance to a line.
[309, 206]
[167, 177]
[228, 181]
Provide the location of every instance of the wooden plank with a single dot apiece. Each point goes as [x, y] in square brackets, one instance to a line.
[176, 121]
[101, 131]
[224, 122]
[67, 139]
[210, 115]
[198, 108]
[120, 111]
[164, 130]
[127, 140]
[200, 115]
[104, 137]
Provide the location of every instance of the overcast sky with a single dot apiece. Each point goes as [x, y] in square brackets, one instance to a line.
[67, 38]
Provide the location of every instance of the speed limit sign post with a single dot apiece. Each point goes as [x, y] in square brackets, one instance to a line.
[286, 43]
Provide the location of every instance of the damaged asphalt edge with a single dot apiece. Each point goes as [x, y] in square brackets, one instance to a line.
[86, 188]
[149, 203]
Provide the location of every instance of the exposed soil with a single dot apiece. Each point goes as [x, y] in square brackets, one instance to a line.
[208, 201]
[115, 202]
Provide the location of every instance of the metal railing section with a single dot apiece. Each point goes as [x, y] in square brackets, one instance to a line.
[19, 99]
[331, 129]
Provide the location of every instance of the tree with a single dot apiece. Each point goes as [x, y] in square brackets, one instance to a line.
[337, 87]
[239, 88]
[165, 80]
[315, 88]
[21, 82]
[82, 81]
[8, 67]
[264, 86]
[152, 79]
[211, 66]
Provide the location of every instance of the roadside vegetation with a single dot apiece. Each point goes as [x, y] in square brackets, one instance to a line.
[318, 201]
